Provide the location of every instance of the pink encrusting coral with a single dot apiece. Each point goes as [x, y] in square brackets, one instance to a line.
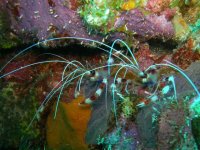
[162, 25]
[158, 6]
[169, 13]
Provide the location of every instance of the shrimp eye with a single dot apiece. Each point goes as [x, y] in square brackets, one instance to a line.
[92, 72]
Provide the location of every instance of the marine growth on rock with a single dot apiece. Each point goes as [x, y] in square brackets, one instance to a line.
[95, 75]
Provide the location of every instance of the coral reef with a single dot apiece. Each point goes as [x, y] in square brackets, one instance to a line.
[126, 105]
[99, 74]
[174, 133]
[15, 118]
[145, 27]
[97, 20]
[157, 6]
[100, 13]
[185, 55]
[195, 30]
[27, 19]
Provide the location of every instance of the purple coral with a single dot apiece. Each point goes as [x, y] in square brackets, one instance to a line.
[45, 19]
[146, 27]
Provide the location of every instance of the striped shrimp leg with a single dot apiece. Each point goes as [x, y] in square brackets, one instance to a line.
[143, 102]
[93, 75]
[124, 82]
[97, 94]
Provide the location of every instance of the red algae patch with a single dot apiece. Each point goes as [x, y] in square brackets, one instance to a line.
[67, 130]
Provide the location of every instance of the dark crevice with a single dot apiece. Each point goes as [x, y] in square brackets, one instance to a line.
[162, 46]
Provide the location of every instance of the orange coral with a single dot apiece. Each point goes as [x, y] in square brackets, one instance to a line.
[67, 131]
[128, 5]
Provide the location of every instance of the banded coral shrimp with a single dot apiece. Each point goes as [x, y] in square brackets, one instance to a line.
[107, 78]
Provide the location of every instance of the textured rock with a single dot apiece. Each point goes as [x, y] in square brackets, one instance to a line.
[147, 129]
[46, 19]
[174, 133]
[146, 27]
[183, 87]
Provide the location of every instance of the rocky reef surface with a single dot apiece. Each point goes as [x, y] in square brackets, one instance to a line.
[70, 91]
[102, 21]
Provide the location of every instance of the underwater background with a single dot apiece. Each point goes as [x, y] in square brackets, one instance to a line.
[99, 74]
